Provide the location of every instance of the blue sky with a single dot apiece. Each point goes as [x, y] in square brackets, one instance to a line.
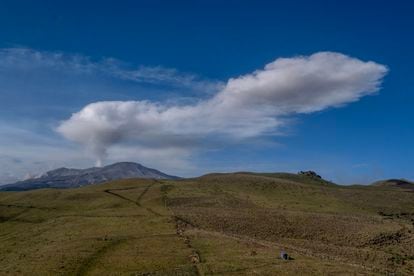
[58, 57]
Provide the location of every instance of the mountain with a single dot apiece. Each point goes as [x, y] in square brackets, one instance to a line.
[394, 183]
[72, 178]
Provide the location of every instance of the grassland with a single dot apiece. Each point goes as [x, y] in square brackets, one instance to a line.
[221, 224]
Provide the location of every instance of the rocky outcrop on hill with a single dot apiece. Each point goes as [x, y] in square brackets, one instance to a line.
[311, 174]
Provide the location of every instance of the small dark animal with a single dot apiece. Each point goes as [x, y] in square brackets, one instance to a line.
[284, 255]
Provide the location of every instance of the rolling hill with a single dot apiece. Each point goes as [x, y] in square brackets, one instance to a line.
[395, 183]
[218, 224]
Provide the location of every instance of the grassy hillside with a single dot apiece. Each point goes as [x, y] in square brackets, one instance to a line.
[220, 224]
[395, 183]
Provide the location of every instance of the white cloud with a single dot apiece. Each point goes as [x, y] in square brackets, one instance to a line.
[162, 75]
[40, 88]
[251, 105]
[28, 61]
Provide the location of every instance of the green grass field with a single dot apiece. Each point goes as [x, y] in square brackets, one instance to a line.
[219, 224]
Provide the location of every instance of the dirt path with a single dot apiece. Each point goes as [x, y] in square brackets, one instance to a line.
[190, 227]
[26, 207]
[195, 257]
[110, 191]
[139, 198]
[180, 225]
[91, 261]
[88, 264]
[268, 244]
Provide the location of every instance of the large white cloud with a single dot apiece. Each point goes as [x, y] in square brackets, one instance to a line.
[248, 106]
[39, 88]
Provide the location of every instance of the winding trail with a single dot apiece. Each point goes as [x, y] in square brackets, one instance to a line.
[25, 209]
[137, 202]
[110, 191]
[247, 239]
[92, 260]
[181, 227]
[26, 206]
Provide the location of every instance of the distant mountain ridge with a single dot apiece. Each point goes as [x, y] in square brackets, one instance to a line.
[394, 183]
[72, 178]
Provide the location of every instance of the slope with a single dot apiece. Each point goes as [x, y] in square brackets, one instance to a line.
[221, 224]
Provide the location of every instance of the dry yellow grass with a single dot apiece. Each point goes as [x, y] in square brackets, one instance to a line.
[231, 224]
